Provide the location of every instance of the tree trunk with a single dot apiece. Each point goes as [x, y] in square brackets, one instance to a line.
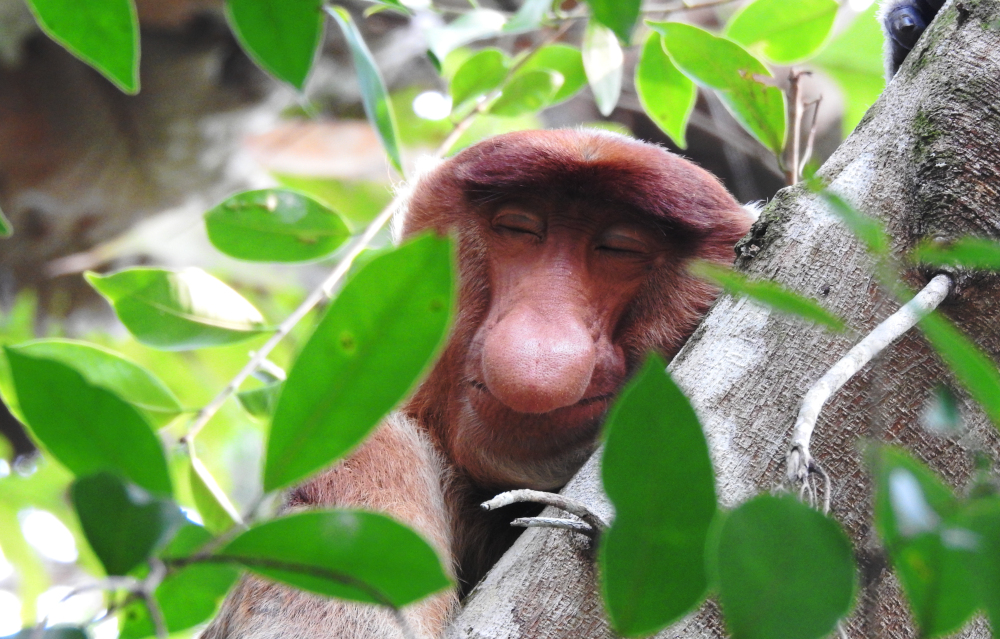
[926, 161]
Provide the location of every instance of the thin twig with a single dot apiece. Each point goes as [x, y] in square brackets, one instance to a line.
[323, 291]
[793, 170]
[795, 95]
[800, 461]
[807, 155]
[461, 128]
[157, 571]
[561, 502]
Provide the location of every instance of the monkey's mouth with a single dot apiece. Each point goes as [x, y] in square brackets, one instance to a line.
[588, 412]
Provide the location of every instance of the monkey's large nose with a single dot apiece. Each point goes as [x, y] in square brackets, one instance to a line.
[536, 364]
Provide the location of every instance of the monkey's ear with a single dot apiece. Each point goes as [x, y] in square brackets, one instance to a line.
[403, 191]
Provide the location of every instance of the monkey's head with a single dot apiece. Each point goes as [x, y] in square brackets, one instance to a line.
[573, 247]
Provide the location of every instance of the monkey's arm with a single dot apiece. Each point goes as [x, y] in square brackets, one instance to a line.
[396, 472]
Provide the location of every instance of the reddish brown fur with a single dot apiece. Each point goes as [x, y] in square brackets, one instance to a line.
[579, 184]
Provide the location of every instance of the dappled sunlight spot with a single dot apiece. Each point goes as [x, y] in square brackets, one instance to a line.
[10, 613]
[106, 629]
[913, 514]
[4, 468]
[48, 535]
[432, 105]
[192, 515]
[6, 569]
[205, 296]
[860, 5]
[80, 608]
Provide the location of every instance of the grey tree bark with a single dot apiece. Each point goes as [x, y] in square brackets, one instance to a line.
[925, 160]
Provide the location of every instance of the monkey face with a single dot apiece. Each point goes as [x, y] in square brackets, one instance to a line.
[573, 247]
[544, 362]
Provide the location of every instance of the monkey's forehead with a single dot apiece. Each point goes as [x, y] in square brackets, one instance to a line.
[587, 164]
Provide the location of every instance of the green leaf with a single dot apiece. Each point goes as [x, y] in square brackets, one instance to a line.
[215, 509]
[527, 93]
[474, 25]
[189, 540]
[768, 293]
[854, 59]
[617, 15]
[275, 225]
[602, 60]
[738, 78]
[365, 355]
[260, 402]
[981, 518]
[87, 428]
[784, 571]
[123, 523]
[657, 473]
[374, 95]
[186, 596]
[783, 31]
[281, 36]
[6, 230]
[354, 555]
[667, 95]
[480, 74]
[911, 506]
[976, 372]
[102, 33]
[178, 310]
[529, 17]
[108, 370]
[563, 59]
[965, 252]
[358, 202]
[865, 228]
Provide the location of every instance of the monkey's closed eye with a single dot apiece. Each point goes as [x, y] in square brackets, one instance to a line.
[624, 240]
[517, 222]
